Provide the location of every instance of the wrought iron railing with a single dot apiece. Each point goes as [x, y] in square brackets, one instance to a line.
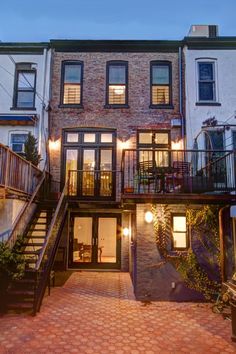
[177, 171]
[16, 173]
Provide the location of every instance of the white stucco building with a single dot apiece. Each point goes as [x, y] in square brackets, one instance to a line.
[24, 95]
[210, 89]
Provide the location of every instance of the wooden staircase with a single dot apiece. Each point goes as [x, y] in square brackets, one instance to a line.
[21, 293]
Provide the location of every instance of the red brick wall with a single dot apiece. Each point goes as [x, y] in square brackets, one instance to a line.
[125, 120]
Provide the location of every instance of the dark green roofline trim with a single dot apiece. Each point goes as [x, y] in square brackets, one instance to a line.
[115, 45]
[22, 48]
[219, 43]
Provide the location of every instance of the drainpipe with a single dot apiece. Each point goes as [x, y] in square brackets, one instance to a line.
[181, 97]
[42, 118]
[222, 246]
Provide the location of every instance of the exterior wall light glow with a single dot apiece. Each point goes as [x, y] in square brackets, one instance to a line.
[177, 145]
[126, 231]
[125, 144]
[148, 217]
[54, 145]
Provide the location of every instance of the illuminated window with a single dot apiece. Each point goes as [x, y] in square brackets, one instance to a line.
[117, 74]
[160, 83]
[25, 86]
[72, 83]
[179, 231]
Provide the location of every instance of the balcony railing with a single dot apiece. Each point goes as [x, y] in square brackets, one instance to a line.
[177, 171]
[16, 173]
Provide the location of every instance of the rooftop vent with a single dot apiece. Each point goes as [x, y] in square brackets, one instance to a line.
[209, 31]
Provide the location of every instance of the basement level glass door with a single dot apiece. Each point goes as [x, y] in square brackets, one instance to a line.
[89, 160]
[94, 241]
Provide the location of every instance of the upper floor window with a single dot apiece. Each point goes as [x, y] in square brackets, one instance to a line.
[25, 86]
[72, 83]
[179, 232]
[117, 82]
[206, 82]
[160, 83]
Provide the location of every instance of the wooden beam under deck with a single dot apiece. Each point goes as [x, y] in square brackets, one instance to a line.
[171, 198]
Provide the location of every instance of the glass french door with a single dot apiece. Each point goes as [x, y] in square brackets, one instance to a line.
[94, 241]
[89, 160]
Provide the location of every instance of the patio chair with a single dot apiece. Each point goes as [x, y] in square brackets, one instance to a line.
[146, 176]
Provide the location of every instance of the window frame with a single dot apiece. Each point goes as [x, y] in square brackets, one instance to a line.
[212, 82]
[173, 248]
[117, 63]
[161, 63]
[63, 65]
[16, 90]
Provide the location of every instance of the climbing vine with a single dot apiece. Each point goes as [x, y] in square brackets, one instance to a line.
[203, 224]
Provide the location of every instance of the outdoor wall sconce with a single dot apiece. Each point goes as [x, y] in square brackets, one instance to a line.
[126, 231]
[54, 145]
[124, 144]
[148, 217]
[177, 144]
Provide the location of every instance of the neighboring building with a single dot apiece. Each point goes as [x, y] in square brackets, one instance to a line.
[210, 91]
[24, 95]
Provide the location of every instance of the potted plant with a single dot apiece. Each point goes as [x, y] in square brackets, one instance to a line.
[12, 267]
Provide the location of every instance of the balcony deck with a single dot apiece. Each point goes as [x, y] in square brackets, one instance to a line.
[178, 176]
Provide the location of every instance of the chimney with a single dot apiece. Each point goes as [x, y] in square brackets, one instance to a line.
[208, 31]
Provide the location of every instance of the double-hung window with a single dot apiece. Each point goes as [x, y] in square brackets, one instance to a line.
[72, 83]
[160, 83]
[117, 82]
[206, 82]
[25, 87]
[179, 231]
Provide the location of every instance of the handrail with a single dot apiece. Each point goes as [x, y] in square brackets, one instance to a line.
[44, 275]
[11, 239]
[52, 224]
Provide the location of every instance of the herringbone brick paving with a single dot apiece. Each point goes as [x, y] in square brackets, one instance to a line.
[95, 312]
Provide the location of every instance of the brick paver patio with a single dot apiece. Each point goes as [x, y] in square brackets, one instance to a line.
[96, 313]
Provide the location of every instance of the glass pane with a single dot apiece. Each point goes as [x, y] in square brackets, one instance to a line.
[18, 138]
[26, 81]
[82, 241]
[179, 239]
[25, 99]
[206, 71]
[206, 91]
[160, 74]
[162, 158]
[106, 177]
[72, 73]
[145, 156]
[72, 94]
[72, 137]
[17, 147]
[161, 138]
[88, 172]
[160, 95]
[145, 138]
[107, 231]
[89, 138]
[117, 94]
[71, 164]
[179, 223]
[117, 74]
[106, 138]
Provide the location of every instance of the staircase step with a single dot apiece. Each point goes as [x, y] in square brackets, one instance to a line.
[33, 244]
[22, 292]
[35, 252]
[33, 236]
[20, 305]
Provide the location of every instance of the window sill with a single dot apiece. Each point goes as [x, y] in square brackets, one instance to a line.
[22, 109]
[175, 253]
[161, 106]
[77, 106]
[208, 104]
[111, 106]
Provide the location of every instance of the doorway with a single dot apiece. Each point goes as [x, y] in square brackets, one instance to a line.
[95, 241]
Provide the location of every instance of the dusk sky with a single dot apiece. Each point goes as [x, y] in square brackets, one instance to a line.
[41, 20]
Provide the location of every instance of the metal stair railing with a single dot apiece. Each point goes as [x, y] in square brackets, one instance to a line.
[47, 255]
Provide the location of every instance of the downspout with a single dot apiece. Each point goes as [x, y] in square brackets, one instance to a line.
[181, 97]
[222, 245]
[41, 121]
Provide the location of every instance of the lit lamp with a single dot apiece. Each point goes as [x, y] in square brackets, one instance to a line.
[54, 145]
[126, 231]
[177, 144]
[119, 90]
[148, 217]
[124, 144]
